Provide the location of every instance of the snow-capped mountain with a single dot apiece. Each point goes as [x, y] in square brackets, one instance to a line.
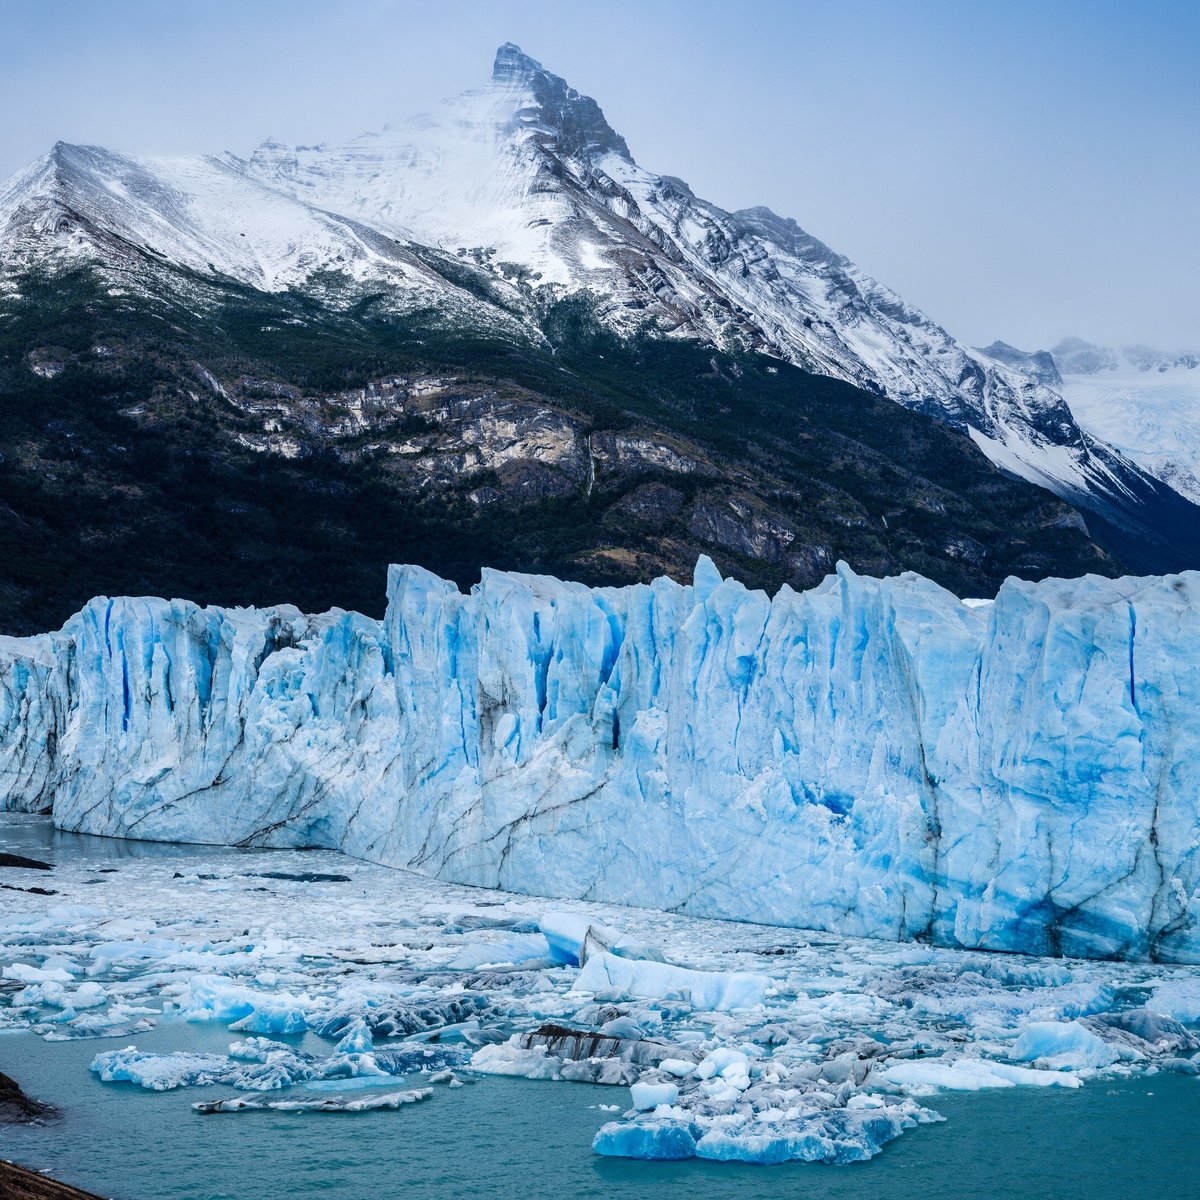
[1143, 402]
[526, 171]
[208, 217]
[524, 180]
[1074, 356]
[1038, 363]
[1151, 414]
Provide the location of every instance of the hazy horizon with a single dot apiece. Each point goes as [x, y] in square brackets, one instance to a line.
[1022, 172]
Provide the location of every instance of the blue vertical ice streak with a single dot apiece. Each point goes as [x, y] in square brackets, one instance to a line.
[1132, 640]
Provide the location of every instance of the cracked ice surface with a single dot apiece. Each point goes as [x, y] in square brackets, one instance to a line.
[871, 757]
[719, 1040]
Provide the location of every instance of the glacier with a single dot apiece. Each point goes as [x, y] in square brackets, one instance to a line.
[872, 757]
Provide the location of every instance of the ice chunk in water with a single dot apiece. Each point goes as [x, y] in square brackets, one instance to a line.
[396, 1014]
[334, 1104]
[259, 1064]
[574, 937]
[663, 1140]
[922, 1077]
[679, 1067]
[50, 973]
[1063, 1046]
[651, 1095]
[1179, 998]
[161, 1072]
[214, 998]
[356, 1040]
[607, 975]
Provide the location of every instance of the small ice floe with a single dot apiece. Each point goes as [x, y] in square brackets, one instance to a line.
[331, 1104]
[389, 1014]
[574, 937]
[1179, 998]
[449, 1078]
[650, 1095]
[555, 1051]
[260, 1065]
[53, 970]
[609, 976]
[924, 1077]
[1064, 1046]
[244, 1009]
[118, 1022]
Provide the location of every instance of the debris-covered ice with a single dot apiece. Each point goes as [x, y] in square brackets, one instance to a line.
[719, 1040]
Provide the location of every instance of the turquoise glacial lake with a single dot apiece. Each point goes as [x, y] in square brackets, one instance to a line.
[513, 1138]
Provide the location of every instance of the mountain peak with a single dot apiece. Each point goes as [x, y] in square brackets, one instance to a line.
[577, 121]
[513, 64]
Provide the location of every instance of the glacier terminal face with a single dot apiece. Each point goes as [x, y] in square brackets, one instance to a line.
[871, 757]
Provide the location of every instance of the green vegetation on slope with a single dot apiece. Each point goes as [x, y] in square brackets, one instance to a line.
[125, 471]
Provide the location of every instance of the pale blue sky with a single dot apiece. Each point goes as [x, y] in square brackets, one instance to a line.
[1019, 170]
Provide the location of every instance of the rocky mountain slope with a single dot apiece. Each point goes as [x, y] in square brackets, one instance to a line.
[1143, 402]
[492, 329]
[282, 449]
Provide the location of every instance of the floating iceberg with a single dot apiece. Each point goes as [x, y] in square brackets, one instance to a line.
[572, 938]
[871, 757]
[334, 1104]
[925, 1077]
[608, 976]
[650, 1095]
[213, 998]
[1063, 1046]
[260, 1065]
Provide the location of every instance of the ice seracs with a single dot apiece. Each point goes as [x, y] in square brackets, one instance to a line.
[871, 757]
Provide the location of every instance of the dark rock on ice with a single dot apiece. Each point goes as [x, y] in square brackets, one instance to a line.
[578, 1044]
[19, 860]
[303, 877]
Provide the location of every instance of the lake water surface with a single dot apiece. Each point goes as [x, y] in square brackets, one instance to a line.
[1120, 1139]
[527, 1140]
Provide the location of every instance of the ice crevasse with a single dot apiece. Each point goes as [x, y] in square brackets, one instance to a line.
[871, 757]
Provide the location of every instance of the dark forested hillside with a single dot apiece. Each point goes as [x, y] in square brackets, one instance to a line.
[263, 449]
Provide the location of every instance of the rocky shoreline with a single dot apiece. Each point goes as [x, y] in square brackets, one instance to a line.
[19, 1183]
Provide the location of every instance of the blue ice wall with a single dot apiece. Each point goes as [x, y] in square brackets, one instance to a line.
[870, 757]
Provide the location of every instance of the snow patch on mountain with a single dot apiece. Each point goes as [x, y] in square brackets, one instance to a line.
[208, 217]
